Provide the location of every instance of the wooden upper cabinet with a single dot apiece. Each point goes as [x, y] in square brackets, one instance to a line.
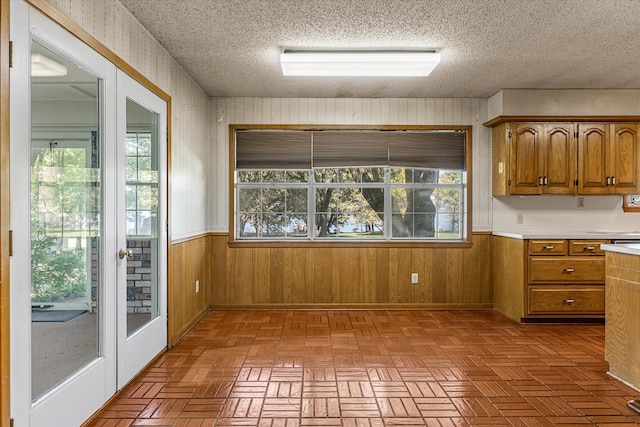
[500, 178]
[560, 158]
[541, 159]
[592, 158]
[526, 158]
[565, 158]
[624, 158]
[608, 158]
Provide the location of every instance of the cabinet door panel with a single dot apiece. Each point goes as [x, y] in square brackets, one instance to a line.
[525, 158]
[592, 158]
[624, 157]
[560, 159]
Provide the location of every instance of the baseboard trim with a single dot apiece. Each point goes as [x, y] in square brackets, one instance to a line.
[346, 306]
[186, 328]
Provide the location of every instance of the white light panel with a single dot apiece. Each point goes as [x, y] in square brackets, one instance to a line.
[359, 63]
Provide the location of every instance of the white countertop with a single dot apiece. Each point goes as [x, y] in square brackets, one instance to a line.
[627, 248]
[572, 234]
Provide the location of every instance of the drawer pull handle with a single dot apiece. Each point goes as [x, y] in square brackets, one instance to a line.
[549, 247]
[568, 270]
[589, 248]
[568, 301]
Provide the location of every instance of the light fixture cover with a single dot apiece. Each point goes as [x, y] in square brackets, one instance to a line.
[41, 66]
[358, 63]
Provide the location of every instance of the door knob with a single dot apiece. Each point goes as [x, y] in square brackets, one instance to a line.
[125, 253]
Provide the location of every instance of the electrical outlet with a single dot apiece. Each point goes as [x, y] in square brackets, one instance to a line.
[580, 202]
[197, 286]
[520, 218]
[414, 278]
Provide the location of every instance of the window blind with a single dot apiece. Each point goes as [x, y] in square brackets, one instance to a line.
[295, 150]
[430, 150]
[273, 150]
[344, 148]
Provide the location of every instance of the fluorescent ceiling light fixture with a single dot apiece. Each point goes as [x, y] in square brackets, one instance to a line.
[404, 63]
[41, 66]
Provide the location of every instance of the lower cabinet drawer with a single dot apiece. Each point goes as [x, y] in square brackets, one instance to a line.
[586, 247]
[566, 269]
[566, 300]
[547, 247]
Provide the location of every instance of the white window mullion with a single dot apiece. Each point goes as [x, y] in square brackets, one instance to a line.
[311, 206]
[286, 210]
[388, 223]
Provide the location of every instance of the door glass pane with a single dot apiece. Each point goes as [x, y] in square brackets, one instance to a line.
[141, 162]
[65, 219]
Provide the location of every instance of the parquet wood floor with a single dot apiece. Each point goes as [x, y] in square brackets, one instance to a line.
[376, 368]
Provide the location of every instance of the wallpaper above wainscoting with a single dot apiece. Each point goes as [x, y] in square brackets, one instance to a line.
[114, 26]
[359, 111]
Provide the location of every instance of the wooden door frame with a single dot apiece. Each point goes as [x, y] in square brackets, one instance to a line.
[5, 402]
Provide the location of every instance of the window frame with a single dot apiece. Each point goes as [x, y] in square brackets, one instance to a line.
[138, 184]
[466, 241]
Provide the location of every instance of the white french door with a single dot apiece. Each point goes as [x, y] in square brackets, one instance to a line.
[142, 226]
[88, 214]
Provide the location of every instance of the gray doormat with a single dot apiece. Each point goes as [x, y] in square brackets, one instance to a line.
[55, 315]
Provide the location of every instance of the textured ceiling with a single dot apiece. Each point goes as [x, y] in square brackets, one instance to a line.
[232, 47]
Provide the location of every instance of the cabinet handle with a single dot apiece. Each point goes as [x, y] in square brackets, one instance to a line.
[546, 180]
[613, 180]
[568, 301]
[549, 247]
[568, 270]
[608, 180]
[589, 248]
[540, 181]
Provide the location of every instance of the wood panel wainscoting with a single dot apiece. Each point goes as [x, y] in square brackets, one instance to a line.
[367, 277]
[348, 277]
[189, 261]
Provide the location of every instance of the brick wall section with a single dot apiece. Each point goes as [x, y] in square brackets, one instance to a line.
[94, 272]
[139, 277]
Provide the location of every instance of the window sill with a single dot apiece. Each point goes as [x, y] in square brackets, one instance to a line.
[350, 244]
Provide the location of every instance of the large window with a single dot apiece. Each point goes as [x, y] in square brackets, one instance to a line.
[350, 185]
